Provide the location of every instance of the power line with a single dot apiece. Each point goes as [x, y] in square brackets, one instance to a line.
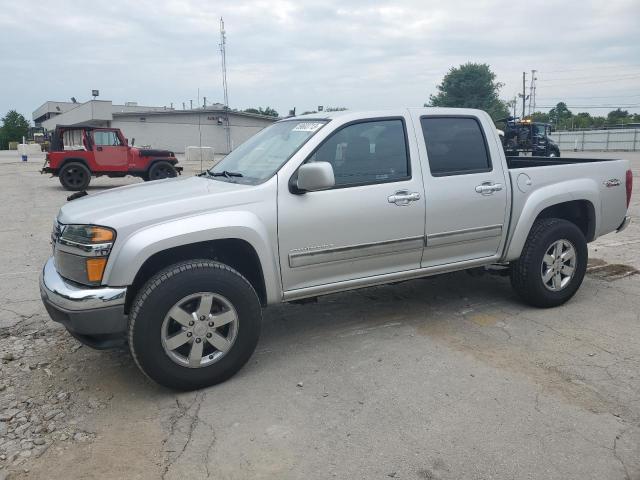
[594, 67]
[590, 97]
[618, 75]
[619, 79]
[594, 106]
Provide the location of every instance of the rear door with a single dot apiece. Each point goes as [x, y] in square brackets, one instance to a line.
[372, 221]
[110, 151]
[466, 192]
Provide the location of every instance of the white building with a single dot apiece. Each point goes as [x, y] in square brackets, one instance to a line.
[158, 127]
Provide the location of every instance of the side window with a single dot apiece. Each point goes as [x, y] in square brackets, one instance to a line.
[455, 146]
[367, 152]
[106, 138]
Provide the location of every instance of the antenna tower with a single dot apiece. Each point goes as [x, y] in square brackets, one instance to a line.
[223, 54]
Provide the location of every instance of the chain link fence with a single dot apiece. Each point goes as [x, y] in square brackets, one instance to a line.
[602, 140]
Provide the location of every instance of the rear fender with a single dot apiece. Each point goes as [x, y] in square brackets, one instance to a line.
[525, 210]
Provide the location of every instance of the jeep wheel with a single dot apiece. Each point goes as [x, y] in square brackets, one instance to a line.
[194, 324]
[160, 170]
[552, 264]
[74, 176]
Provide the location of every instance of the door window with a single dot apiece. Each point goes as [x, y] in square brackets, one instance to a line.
[367, 152]
[455, 146]
[106, 138]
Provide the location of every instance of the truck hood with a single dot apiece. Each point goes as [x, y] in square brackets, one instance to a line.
[153, 202]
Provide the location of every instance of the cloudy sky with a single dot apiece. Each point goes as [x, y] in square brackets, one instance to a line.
[360, 54]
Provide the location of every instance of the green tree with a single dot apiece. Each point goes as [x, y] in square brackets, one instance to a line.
[267, 111]
[618, 116]
[14, 127]
[539, 117]
[560, 115]
[582, 120]
[472, 85]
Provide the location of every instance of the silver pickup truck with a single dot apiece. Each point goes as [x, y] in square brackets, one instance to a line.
[180, 269]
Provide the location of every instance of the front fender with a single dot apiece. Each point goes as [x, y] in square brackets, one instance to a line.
[128, 256]
[527, 208]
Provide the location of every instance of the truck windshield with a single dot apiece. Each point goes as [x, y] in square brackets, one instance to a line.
[262, 155]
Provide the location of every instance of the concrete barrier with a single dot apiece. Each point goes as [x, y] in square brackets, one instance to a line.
[197, 154]
[29, 148]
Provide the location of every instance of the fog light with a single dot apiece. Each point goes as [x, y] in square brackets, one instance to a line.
[95, 269]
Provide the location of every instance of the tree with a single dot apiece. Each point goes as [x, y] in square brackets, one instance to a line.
[539, 117]
[267, 111]
[560, 115]
[14, 127]
[618, 116]
[472, 85]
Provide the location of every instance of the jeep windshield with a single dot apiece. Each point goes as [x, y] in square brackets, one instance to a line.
[262, 155]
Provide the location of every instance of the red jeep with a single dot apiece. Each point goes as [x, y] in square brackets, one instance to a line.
[78, 152]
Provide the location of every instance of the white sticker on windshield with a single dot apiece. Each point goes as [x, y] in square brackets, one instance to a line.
[307, 127]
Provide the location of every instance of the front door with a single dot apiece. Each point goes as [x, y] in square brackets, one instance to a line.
[466, 193]
[109, 151]
[370, 223]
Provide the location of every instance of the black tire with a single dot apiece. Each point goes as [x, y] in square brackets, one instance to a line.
[74, 176]
[164, 291]
[161, 170]
[527, 271]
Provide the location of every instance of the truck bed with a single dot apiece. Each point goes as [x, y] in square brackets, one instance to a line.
[525, 162]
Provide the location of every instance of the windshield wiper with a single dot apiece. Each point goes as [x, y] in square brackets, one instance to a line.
[226, 173]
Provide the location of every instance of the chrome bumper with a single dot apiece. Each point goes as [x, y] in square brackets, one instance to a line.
[73, 297]
[93, 315]
[624, 224]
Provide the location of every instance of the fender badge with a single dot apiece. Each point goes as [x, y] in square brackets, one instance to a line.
[612, 182]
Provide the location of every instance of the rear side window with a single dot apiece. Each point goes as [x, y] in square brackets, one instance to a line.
[367, 152]
[455, 146]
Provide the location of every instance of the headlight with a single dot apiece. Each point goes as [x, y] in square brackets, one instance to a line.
[81, 252]
[88, 234]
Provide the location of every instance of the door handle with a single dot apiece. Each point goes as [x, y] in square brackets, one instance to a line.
[403, 197]
[487, 188]
[99, 149]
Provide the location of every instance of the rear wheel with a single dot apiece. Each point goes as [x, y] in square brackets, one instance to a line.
[160, 170]
[194, 324]
[552, 264]
[74, 176]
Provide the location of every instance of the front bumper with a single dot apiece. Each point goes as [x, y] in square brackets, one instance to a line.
[625, 223]
[93, 315]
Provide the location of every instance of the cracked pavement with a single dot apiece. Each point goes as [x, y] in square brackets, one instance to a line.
[441, 378]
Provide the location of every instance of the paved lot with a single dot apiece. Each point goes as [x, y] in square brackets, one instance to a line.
[440, 378]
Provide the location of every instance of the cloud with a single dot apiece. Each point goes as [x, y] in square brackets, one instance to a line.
[359, 54]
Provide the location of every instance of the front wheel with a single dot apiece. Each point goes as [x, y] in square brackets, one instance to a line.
[194, 324]
[552, 264]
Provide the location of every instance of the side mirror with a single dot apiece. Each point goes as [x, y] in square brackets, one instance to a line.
[133, 141]
[315, 176]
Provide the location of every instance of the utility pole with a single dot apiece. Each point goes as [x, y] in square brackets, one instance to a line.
[533, 83]
[190, 104]
[524, 81]
[205, 102]
[524, 93]
[223, 54]
[532, 89]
